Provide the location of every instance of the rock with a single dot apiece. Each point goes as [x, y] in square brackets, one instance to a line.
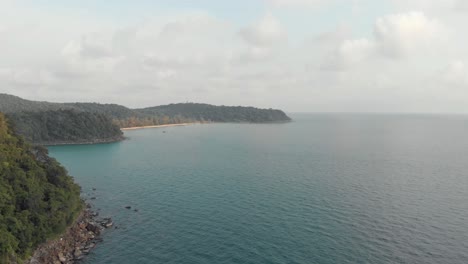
[77, 253]
[72, 245]
[128, 207]
[82, 225]
[94, 189]
[90, 246]
[107, 222]
[136, 210]
[93, 198]
[93, 228]
[61, 257]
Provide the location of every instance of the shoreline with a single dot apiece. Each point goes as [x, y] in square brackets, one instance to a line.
[75, 243]
[205, 122]
[92, 142]
[158, 126]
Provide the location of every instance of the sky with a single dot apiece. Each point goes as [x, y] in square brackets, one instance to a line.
[298, 55]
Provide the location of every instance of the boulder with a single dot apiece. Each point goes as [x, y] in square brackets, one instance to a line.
[61, 257]
[77, 253]
[107, 222]
[93, 228]
[82, 225]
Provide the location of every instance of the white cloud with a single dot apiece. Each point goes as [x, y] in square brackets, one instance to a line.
[399, 35]
[265, 32]
[351, 52]
[197, 56]
[26, 76]
[264, 39]
[86, 57]
[456, 73]
[396, 36]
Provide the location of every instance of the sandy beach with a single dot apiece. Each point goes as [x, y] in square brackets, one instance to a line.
[158, 126]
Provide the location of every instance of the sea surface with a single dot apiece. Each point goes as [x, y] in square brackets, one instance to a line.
[326, 188]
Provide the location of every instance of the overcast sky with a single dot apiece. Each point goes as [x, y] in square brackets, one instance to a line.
[297, 55]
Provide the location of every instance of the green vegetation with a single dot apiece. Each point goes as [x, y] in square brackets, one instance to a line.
[38, 199]
[30, 115]
[65, 126]
[212, 113]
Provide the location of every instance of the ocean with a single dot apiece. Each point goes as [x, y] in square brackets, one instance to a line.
[325, 188]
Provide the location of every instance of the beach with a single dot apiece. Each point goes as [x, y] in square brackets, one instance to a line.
[157, 126]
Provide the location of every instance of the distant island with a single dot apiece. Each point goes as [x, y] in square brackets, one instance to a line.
[49, 123]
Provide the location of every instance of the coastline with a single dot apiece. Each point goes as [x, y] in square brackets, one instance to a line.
[75, 243]
[158, 126]
[206, 122]
[92, 142]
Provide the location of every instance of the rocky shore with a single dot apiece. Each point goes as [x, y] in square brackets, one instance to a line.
[75, 243]
[86, 142]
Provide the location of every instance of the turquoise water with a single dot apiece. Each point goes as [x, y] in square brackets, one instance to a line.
[322, 189]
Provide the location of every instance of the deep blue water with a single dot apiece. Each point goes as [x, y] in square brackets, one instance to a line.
[322, 189]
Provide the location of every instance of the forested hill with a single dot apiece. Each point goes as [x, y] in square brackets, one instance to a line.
[65, 127]
[13, 104]
[158, 114]
[89, 122]
[38, 199]
[206, 112]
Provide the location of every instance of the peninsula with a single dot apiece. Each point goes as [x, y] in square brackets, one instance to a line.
[47, 123]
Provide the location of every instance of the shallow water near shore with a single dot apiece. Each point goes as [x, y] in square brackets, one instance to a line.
[326, 188]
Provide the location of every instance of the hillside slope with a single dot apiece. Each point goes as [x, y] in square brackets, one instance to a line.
[65, 127]
[206, 112]
[38, 199]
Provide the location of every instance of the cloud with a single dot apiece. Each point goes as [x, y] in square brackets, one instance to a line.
[86, 56]
[276, 61]
[455, 73]
[399, 35]
[88, 47]
[349, 53]
[297, 3]
[26, 76]
[395, 36]
[431, 6]
[266, 32]
[264, 38]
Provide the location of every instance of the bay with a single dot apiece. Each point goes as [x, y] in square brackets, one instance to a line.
[326, 188]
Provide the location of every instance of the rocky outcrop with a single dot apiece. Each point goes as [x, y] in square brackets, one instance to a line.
[75, 243]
